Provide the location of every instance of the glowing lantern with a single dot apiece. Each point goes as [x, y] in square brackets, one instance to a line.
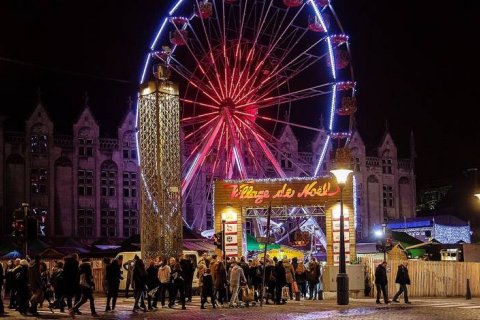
[315, 25]
[179, 21]
[348, 107]
[179, 37]
[338, 39]
[345, 85]
[292, 3]
[205, 10]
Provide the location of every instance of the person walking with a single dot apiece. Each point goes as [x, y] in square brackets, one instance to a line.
[201, 268]
[381, 282]
[207, 289]
[71, 280]
[86, 284]
[21, 287]
[139, 280]
[280, 282]
[289, 276]
[128, 266]
[153, 285]
[270, 280]
[114, 275]
[312, 277]
[164, 277]
[403, 279]
[301, 277]
[221, 282]
[188, 269]
[177, 278]
[35, 284]
[10, 281]
[56, 280]
[237, 278]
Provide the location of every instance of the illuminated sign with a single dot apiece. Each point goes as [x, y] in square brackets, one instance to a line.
[259, 193]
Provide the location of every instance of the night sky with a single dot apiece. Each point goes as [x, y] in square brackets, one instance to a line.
[416, 64]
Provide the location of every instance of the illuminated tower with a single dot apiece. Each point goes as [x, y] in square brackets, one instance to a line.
[159, 147]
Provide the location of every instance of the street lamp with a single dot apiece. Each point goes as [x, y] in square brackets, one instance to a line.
[341, 174]
[477, 195]
[384, 249]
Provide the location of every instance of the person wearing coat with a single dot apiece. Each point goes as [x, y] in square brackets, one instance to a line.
[114, 275]
[21, 286]
[221, 282]
[280, 282]
[381, 282]
[270, 280]
[289, 275]
[301, 278]
[177, 278]
[35, 284]
[200, 271]
[128, 266]
[403, 279]
[153, 284]
[312, 277]
[71, 279]
[139, 280]
[56, 280]
[86, 284]
[237, 277]
[164, 277]
[207, 288]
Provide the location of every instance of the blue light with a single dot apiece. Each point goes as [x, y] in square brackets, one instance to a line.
[164, 23]
[175, 7]
[322, 157]
[147, 62]
[332, 107]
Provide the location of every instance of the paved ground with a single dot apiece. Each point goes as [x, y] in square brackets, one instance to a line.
[360, 309]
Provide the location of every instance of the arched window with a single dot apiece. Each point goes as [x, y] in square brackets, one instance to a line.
[85, 142]
[372, 179]
[38, 139]
[108, 178]
[386, 162]
[129, 146]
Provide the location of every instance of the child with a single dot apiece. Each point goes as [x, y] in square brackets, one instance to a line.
[207, 289]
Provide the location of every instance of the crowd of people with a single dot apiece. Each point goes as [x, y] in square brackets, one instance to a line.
[165, 282]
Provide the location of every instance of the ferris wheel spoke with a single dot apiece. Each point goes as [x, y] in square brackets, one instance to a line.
[191, 120]
[193, 133]
[290, 97]
[237, 50]
[201, 155]
[277, 69]
[194, 81]
[200, 67]
[251, 52]
[213, 60]
[200, 103]
[271, 48]
[236, 145]
[283, 122]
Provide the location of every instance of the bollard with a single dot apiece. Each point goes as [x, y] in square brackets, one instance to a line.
[469, 293]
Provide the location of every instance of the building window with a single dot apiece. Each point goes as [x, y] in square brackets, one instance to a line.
[108, 222]
[130, 223]
[129, 184]
[85, 182]
[38, 143]
[85, 147]
[249, 227]
[285, 162]
[108, 182]
[38, 181]
[388, 201]
[387, 166]
[85, 222]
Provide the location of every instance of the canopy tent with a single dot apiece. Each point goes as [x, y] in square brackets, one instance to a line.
[286, 252]
[254, 245]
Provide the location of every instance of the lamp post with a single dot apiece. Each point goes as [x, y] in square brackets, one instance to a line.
[384, 249]
[342, 277]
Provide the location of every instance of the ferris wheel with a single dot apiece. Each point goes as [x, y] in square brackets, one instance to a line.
[248, 69]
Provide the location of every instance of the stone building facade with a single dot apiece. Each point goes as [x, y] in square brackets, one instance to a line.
[86, 186]
[80, 185]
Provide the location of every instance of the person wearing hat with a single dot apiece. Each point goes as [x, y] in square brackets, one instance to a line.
[87, 284]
